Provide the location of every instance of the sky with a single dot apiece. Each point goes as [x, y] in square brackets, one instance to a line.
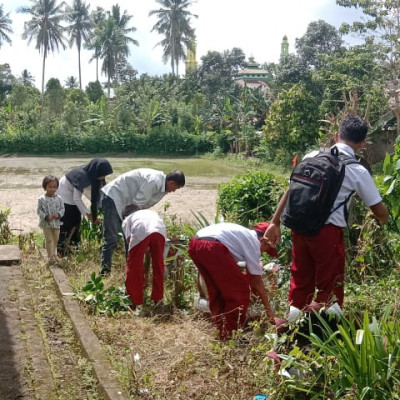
[255, 26]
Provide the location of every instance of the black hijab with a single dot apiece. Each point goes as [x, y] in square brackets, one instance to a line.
[87, 175]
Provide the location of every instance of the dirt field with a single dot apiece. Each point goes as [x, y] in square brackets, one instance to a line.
[20, 187]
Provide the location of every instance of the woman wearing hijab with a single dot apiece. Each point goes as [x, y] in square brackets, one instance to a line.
[88, 180]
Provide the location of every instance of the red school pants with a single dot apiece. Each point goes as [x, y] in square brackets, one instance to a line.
[135, 268]
[228, 288]
[318, 262]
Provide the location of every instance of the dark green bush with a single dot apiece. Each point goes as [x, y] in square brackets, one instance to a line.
[161, 140]
[251, 196]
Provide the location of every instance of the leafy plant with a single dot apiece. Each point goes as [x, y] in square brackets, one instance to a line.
[251, 196]
[5, 231]
[361, 360]
[101, 300]
[90, 231]
[391, 169]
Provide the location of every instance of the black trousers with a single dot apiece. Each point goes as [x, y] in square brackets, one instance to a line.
[69, 230]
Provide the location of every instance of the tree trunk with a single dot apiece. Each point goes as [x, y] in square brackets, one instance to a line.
[43, 68]
[79, 66]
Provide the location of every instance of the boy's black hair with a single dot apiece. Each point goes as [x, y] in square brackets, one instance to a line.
[177, 177]
[353, 128]
[49, 178]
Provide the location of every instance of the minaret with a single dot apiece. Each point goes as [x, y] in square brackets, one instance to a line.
[191, 62]
[284, 47]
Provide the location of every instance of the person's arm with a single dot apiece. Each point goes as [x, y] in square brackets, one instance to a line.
[273, 233]
[61, 208]
[77, 198]
[381, 213]
[40, 210]
[257, 286]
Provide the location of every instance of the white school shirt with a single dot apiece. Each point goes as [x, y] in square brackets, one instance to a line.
[242, 242]
[72, 196]
[142, 187]
[357, 179]
[140, 224]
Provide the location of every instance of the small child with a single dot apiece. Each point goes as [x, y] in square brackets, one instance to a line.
[50, 209]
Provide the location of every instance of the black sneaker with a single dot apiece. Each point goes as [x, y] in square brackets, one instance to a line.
[105, 272]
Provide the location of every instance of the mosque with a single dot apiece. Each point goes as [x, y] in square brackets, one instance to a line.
[252, 76]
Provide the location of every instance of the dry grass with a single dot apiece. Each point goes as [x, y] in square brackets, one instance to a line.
[72, 373]
[175, 356]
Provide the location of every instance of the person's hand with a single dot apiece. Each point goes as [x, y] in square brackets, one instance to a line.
[273, 234]
[97, 221]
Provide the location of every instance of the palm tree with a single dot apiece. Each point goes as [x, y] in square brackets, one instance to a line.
[114, 39]
[26, 78]
[98, 17]
[79, 29]
[45, 27]
[5, 28]
[71, 82]
[174, 24]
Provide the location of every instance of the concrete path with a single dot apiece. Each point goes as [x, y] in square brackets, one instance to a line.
[24, 368]
[22, 355]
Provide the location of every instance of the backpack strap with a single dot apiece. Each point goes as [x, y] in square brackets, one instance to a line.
[344, 204]
[347, 160]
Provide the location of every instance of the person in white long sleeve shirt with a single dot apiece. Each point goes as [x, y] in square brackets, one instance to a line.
[84, 180]
[138, 189]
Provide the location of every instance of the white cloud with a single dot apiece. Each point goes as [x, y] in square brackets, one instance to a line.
[255, 26]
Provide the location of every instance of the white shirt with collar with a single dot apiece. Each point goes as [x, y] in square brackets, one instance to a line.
[140, 224]
[243, 243]
[356, 179]
[142, 187]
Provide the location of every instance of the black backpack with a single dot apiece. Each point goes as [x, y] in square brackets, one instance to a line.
[314, 185]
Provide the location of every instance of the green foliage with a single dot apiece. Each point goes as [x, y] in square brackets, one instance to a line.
[5, 232]
[94, 91]
[360, 361]
[249, 197]
[160, 141]
[90, 231]
[320, 39]
[391, 169]
[291, 127]
[101, 300]
[372, 253]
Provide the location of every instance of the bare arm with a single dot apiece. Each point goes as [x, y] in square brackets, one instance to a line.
[273, 233]
[257, 286]
[381, 213]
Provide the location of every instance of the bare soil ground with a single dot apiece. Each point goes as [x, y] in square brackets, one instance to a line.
[21, 178]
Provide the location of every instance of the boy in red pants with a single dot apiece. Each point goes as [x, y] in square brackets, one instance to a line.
[144, 229]
[215, 250]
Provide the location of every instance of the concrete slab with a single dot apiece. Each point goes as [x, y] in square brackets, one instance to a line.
[108, 384]
[22, 353]
[10, 254]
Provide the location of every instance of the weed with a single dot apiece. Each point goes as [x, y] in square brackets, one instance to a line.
[101, 300]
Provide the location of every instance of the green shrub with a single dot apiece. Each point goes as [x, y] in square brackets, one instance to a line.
[251, 196]
[358, 361]
[5, 232]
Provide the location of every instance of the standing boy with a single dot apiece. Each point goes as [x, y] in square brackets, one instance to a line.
[318, 260]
